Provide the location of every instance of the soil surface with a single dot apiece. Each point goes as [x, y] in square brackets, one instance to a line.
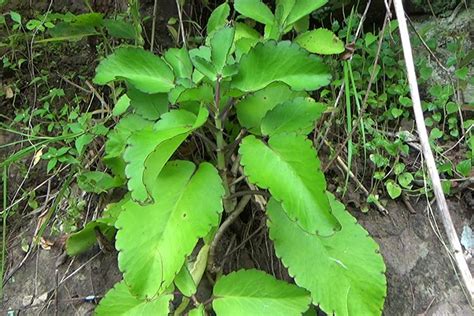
[421, 279]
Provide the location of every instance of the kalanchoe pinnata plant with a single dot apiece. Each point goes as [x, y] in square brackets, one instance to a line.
[260, 86]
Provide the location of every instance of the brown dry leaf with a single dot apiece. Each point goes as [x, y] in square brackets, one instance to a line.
[46, 244]
[8, 92]
[37, 156]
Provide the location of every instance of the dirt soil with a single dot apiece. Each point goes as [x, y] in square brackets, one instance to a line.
[421, 279]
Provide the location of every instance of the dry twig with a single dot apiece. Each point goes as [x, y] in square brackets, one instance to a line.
[428, 155]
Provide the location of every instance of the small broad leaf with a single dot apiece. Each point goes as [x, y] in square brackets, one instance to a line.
[253, 292]
[303, 8]
[297, 115]
[221, 43]
[243, 30]
[82, 141]
[282, 11]
[320, 41]
[302, 25]
[289, 168]
[180, 62]
[205, 67]
[97, 182]
[393, 189]
[253, 108]
[198, 267]
[244, 39]
[344, 272]
[119, 301]
[121, 106]
[120, 29]
[197, 56]
[218, 17]
[170, 134]
[81, 241]
[142, 69]
[149, 106]
[464, 167]
[160, 142]
[405, 179]
[184, 282]
[296, 67]
[117, 138]
[254, 9]
[201, 93]
[117, 142]
[84, 239]
[198, 311]
[155, 239]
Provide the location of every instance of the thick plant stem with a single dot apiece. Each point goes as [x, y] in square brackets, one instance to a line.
[220, 146]
[456, 249]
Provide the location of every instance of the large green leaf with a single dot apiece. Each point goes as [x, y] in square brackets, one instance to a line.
[201, 59]
[286, 62]
[320, 41]
[289, 168]
[253, 292]
[117, 138]
[149, 106]
[120, 29]
[142, 69]
[117, 142]
[254, 9]
[297, 115]
[172, 134]
[253, 108]
[218, 17]
[119, 301]
[244, 39]
[221, 43]
[303, 8]
[180, 62]
[344, 272]
[283, 10]
[192, 272]
[184, 282]
[205, 67]
[154, 239]
[160, 142]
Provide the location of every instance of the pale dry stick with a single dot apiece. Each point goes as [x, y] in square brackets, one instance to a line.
[428, 155]
[343, 165]
[331, 118]
[35, 189]
[181, 25]
[440, 64]
[341, 90]
[434, 226]
[364, 15]
[97, 94]
[153, 26]
[459, 140]
[73, 84]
